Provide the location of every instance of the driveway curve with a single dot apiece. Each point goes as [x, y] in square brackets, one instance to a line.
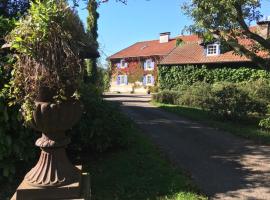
[222, 165]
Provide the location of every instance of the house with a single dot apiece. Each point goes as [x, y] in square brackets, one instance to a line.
[135, 68]
[212, 54]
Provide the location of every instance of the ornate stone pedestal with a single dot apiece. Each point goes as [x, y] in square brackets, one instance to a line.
[80, 190]
[54, 177]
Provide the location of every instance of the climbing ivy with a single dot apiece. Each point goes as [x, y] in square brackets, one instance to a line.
[174, 77]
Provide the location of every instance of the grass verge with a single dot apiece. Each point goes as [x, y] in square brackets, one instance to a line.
[246, 130]
[139, 173]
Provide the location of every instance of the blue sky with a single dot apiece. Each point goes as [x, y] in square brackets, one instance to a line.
[122, 25]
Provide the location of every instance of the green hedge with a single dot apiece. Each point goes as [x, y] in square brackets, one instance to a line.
[174, 77]
[225, 100]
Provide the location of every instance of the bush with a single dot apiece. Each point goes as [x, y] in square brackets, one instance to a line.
[230, 102]
[102, 126]
[166, 96]
[17, 141]
[259, 89]
[265, 123]
[196, 95]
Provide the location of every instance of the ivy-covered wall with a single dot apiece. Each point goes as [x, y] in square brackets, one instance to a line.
[173, 77]
[135, 70]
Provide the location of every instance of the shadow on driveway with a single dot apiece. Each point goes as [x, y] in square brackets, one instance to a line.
[222, 165]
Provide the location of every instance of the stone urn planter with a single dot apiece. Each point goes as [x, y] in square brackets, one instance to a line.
[53, 168]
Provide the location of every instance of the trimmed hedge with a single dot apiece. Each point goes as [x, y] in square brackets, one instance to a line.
[174, 77]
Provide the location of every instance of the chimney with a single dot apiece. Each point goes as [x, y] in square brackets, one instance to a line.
[164, 37]
[264, 27]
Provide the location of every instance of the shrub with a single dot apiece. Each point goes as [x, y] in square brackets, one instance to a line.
[230, 102]
[166, 96]
[17, 142]
[102, 126]
[259, 89]
[195, 95]
[265, 123]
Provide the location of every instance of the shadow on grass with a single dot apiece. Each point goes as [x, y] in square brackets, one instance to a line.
[137, 173]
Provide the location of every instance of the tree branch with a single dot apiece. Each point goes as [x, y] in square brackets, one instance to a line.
[246, 31]
[231, 41]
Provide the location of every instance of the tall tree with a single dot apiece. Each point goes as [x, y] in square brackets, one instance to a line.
[230, 20]
[92, 28]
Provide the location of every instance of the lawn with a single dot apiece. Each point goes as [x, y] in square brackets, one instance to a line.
[139, 172]
[247, 129]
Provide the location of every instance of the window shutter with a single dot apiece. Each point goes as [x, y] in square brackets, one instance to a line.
[144, 80]
[126, 80]
[118, 80]
[152, 80]
[152, 65]
[145, 65]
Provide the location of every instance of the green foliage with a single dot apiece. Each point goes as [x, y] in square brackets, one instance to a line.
[48, 42]
[230, 102]
[16, 142]
[179, 42]
[166, 96]
[265, 123]
[92, 31]
[259, 89]
[225, 100]
[230, 20]
[102, 126]
[173, 77]
[195, 95]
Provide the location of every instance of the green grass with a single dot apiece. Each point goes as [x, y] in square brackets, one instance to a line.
[246, 129]
[139, 173]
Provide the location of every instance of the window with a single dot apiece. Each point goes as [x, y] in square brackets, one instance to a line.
[123, 64]
[148, 80]
[213, 49]
[149, 64]
[122, 80]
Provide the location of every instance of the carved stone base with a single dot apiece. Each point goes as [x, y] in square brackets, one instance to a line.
[79, 191]
[52, 170]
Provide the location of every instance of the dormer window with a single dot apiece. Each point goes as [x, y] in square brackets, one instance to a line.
[213, 49]
[123, 64]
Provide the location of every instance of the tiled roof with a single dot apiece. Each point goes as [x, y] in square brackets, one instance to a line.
[195, 54]
[151, 48]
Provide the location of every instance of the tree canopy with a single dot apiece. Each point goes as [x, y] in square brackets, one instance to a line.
[230, 20]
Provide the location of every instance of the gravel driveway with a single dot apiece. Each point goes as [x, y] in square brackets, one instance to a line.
[222, 165]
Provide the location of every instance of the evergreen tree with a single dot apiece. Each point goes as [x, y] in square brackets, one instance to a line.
[92, 28]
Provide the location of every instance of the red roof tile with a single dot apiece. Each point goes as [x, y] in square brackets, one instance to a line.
[194, 54]
[151, 48]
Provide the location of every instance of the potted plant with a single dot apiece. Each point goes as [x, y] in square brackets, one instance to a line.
[50, 44]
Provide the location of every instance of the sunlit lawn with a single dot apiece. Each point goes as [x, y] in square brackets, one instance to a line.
[247, 129]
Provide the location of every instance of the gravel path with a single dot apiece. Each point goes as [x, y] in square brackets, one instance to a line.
[222, 165]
